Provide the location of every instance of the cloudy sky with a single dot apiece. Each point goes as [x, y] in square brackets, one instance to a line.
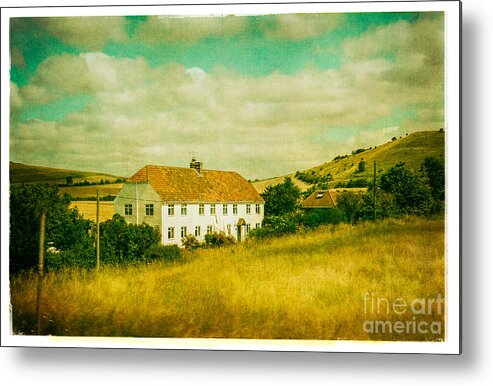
[261, 95]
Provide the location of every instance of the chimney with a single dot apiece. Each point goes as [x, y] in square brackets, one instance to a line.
[194, 164]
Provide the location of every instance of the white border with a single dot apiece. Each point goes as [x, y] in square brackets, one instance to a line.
[451, 345]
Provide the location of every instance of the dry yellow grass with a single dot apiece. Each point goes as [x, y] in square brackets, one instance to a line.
[88, 209]
[306, 286]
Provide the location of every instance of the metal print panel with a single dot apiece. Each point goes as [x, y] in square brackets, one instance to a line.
[261, 177]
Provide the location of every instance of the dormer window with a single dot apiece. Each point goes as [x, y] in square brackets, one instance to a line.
[320, 195]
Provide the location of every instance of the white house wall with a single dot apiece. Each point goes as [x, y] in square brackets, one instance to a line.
[219, 221]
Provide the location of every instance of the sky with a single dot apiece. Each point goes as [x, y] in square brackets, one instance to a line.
[261, 95]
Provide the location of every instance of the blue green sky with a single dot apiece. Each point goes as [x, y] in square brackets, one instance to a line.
[262, 95]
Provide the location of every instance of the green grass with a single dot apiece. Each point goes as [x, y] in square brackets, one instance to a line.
[306, 286]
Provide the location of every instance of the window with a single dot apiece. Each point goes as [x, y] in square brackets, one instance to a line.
[209, 229]
[128, 209]
[201, 209]
[229, 229]
[171, 233]
[184, 231]
[248, 226]
[248, 209]
[213, 209]
[171, 210]
[257, 225]
[235, 209]
[197, 230]
[320, 195]
[183, 210]
[149, 209]
[257, 208]
[225, 208]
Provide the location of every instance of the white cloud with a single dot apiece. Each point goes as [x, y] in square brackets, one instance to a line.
[300, 26]
[260, 126]
[88, 33]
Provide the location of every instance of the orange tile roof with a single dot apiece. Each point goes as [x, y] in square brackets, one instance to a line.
[174, 184]
[327, 199]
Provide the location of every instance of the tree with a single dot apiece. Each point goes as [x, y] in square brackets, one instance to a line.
[69, 180]
[435, 172]
[361, 166]
[350, 204]
[411, 194]
[281, 198]
[123, 243]
[64, 228]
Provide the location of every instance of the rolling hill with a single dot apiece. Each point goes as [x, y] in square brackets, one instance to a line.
[22, 173]
[411, 149]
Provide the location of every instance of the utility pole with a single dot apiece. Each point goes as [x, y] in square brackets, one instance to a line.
[97, 230]
[41, 255]
[374, 190]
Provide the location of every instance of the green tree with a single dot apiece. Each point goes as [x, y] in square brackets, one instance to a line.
[412, 195]
[65, 229]
[281, 198]
[361, 166]
[434, 169]
[123, 244]
[350, 204]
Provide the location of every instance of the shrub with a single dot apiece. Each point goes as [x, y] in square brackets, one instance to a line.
[316, 217]
[123, 244]
[190, 242]
[361, 166]
[163, 252]
[218, 239]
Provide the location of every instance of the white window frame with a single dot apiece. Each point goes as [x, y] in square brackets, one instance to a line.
[128, 209]
[171, 233]
[171, 209]
[149, 210]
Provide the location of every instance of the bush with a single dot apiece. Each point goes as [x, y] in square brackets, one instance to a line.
[123, 244]
[218, 239]
[316, 217]
[278, 225]
[190, 242]
[162, 252]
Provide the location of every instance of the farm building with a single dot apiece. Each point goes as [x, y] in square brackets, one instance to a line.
[321, 199]
[190, 201]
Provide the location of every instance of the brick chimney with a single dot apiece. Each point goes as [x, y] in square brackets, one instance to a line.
[194, 164]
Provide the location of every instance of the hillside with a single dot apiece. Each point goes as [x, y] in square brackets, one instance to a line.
[411, 149]
[21, 173]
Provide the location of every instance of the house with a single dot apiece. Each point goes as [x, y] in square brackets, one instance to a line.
[190, 201]
[321, 199]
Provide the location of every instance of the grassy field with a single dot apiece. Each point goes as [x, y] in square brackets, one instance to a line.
[88, 209]
[306, 286]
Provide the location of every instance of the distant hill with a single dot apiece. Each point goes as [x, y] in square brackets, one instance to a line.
[21, 173]
[411, 149]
